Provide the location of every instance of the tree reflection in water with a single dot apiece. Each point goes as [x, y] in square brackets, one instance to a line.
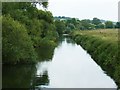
[41, 80]
[25, 76]
[19, 76]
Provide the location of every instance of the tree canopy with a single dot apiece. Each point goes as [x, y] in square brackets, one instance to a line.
[25, 29]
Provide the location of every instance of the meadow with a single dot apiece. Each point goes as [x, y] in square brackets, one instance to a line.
[110, 35]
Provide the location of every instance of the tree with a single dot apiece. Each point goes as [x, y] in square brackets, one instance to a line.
[45, 4]
[117, 25]
[86, 24]
[100, 26]
[96, 21]
[60, 26]
[109, 24]
[25, 29]
[17, 44]
[74, 21]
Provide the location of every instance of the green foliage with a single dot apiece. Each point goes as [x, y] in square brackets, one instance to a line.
[86, 25]
[71, 26]
[45, 15]
[117, 25]
[109, 24]
[96, 21]
[32, 29]
[45, 4]
[17, 45]
[60, 27]
[100, 26]
[9, 7]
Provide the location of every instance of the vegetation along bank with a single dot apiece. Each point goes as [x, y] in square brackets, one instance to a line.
[103, 47]
[25, 29]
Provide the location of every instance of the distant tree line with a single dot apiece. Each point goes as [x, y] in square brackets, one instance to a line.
[66, 24]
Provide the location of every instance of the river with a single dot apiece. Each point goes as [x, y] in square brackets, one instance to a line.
[70, 67]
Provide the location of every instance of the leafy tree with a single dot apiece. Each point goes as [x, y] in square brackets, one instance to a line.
[100, 26]
[7, 7]
[71, 26]
[34, 29]
[17, 45]
[109, 24]
[96, 21]
[74, 21]
[26, 30]
[86, 24]
[60, 26]
[45, 15]
[117, 25]
[45, 4]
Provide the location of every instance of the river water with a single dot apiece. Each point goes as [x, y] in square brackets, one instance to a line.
[70, 67]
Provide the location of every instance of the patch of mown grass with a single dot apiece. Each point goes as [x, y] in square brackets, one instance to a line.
[103, 47]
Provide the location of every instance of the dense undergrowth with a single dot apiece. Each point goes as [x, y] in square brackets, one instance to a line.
[103, 49]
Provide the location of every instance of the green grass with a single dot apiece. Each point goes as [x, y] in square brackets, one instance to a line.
[102, 45]
[110, 35]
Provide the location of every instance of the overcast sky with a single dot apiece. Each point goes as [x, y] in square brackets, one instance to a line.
[85, 9]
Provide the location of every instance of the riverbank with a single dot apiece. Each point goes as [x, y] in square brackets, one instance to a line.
[102, 45]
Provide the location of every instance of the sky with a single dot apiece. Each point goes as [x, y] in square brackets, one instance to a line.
[85, 9]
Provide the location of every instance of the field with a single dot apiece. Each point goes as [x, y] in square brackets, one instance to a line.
[110, 35]
[103, 47]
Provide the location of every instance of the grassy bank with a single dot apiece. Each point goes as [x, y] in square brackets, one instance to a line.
[103, 47]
